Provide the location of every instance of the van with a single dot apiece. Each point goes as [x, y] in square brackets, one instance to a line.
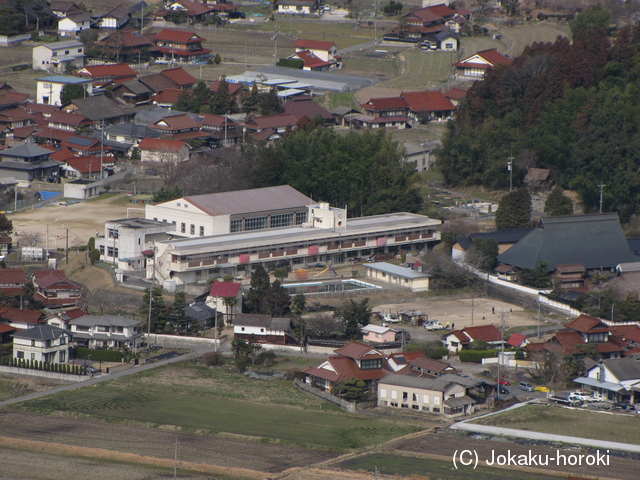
[527, 387]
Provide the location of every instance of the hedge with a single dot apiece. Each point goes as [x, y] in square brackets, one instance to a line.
[99, 355]
[476, 356]
[291, 63]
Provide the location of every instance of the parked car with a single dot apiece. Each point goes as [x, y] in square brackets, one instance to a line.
[390, 318]
[433, 325]
[541, 388]
[399, 334]
[503, 381]
[503, 390]
[527, 387]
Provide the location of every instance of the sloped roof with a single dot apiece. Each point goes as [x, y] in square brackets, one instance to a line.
[569, 341]
[22, 316]
[306, 107]
[313, 44]
[193, 8]
[392, 269]
[426, 15]
[375, 329]
[41, 332]
[431, 365]
[488, 333]
[178, 36]
[13, 98]
[98, 107]
[251, 320]
[455, 93]
[16, 114]
[595, 241]
[628, 332]
[25, 150]
[161, 144]
[516, 339]
[14, 276]
[570, 268]
[87, 163]
[537, 175]
[53, 278]
[111, 320]
[386, 103]
[225, 289]
[442, 10]
[168, 96]
[428, 101]
[273, 121]
[460, 335]
[587, 324]
[310, 59]
[180, 76]
[254, 200]
[433, 384]
[136, 87]
[627, 368]
[176, 122]
[357, 350]
[67, 118]
[97, 71]
[158, 82]
[233, 87]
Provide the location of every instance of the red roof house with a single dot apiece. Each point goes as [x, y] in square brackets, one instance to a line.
[55, 290]
[104, 74]
[181, 77]
[325, 51]
[428, 105]
[477, 64]
[180, 44]
[459, 339]
[161, 150]
[19, 318]
[12, 280]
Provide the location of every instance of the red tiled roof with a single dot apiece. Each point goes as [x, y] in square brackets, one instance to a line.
[406, 357]
[160, 144]
[386, 103]
[168, 95]
[178, 36]
[56, 302]
[62, 154]
[214, 120]
[22, 316]
[13, 98]
[488, 333]
[264, 134]
[627, 332]
[456, 93]
[75, 313]
[535, 347]
[225, 289]
[194, 8]
[492, 56]
[610, 347]
[188, 135]
[306, 107]
[119, 70]
[224, 7]
[182, 52]
[313, 44]
[54, 134]
[233, 87]
[569, 340]
[128, 38]
[310, 60]
[24, 132]
[55, 279]
[516, 339]
[87, 163]
[346, 369]
[180, 76]
[425, 15]
[273, 121]
[461, 336]
[442, 10]
[16, 114]
[587, 324]
[67, 118]
[428, 101]
[4, 328]
[12, 276]
[631, 351]
[357, 350]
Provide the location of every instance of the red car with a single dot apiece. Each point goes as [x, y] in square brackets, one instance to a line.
[504, 381]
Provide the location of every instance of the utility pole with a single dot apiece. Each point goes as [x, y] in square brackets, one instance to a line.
[101, 147]
[601, 187]
[538, 317]
[175, 460]
[153, 286]
[472, 298]
[510, 168]
[67, 249]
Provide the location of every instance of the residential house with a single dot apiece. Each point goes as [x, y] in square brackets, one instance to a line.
[27, 162]
[57, 55]
[200, 315]
[11, 281]
[6, 331]
[86, 166]
[49, 89]
[61, 319]
[107, 331]
[424, 394]
[74, 23]
[42, 343]
[421, 154]
[538, 179]
[569, 276]
[62, 9]
[585, 330]
[270, 127]
[506, 272]
[234, 211]
[312, 62]
[126, 239]
[180, 45]
[517, 340]
[102, 75]
[10, 99]
[180, 77]
[298, 7]
[427, 106]
[129, 45]
[304, 107]
[158, 83]
[117, 17]
[21, 319]
[455, 95]
[167, 98]
[389, 112]
[424, 366]
[194, 11]
[55, 290]
[616, 379]
[398, 276]
[100, 109]
[15, 118]
[221, 129]
[220, 293]
[255, 328]
[157, 150]
[133, 93]
[69, 121]
[177, 126]
[505, 238]
[377, 334]
[476, 65]
[354, 360]
[442, 40]
[326, 51]
[595, 240]
[129, 133]
[459, 339]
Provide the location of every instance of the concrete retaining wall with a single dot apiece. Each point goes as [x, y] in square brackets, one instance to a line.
[178, 342]
[40, 373]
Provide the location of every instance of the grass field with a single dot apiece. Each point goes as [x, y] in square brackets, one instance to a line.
[442, 470]
[12, 386]
[423, 69]
[564, 421]
[196, 399]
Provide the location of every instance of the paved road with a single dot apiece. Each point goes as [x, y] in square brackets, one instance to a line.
[549, 437]
[106, 377]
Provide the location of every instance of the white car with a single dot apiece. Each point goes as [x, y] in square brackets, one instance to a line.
[390, 318]
[433, 326]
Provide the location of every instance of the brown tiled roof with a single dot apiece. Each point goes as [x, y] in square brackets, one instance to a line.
[161, 144]
[176, 122]
[12, 276]
[22, 316]
[313, 44]
[251, 320]
[178, 36]
[428, 101]
[180, 76]
[627, 332]
[387, 103]
[430, 365]
[488, 333]
[357, 350]
[53, 279]
[272, 121]
[587, 324]
[68, 118]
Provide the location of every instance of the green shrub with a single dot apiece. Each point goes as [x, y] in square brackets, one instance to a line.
[476, 356]
[99, 355]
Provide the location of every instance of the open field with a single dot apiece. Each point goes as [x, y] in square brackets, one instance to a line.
[391, 464]
[423, 69]
[14, 386]
[564, 421]
[216, 402]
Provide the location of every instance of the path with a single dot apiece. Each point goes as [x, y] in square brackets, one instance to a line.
[548, 437]
[106, 377]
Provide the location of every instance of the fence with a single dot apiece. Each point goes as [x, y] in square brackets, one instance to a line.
[42, 373]
[176, 341]
[347, 406]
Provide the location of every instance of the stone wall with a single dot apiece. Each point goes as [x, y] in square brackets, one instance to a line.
[41, 373]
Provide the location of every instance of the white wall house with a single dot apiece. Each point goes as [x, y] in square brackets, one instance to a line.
[74, 24]
[424, 395]
[42, 343]
[300, 7]
[221, 291]
[124, 240]
[49, 89]
[110, 331]
[262, 329]
[55, 56]
[398, 276]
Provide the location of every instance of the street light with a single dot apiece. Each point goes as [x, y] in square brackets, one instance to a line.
[510, 168]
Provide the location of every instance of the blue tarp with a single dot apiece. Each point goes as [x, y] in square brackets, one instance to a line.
[46, 195]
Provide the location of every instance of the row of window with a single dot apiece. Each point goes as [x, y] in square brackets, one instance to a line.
[405, 396]
[268, 221]
[62, 357]
[425, 408]
[111, 251]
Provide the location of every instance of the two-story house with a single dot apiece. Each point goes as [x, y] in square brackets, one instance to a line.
[107, 331]
[389, 112]
[459, 339]
[180, 45]
[262, 329]
[57, 55]
[55, 290]
[163, 151]
[27, 162]
[42, 343]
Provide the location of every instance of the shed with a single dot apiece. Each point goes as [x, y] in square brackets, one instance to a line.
[399, 276]
[82, 188]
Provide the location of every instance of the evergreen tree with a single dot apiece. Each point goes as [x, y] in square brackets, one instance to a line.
[158, 309]
[558, 203]
[354, 315]
[514, 210]
[184, 102]
[166, 193]
[278, 300]
[71, 92]
[6, 225]
[200, 97]
[258, 290]
[177, 315]
[221, 101]
[269, 103]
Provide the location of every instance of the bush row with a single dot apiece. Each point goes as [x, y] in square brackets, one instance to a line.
[45, 366]
[99, 355]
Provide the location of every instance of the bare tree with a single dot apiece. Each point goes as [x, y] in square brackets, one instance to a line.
[29, 239]
[322, 326]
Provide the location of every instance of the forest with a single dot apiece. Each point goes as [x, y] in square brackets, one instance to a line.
[571, 107]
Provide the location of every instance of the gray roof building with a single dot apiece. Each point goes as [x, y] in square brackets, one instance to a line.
[26, 150]
[41, 332]
[108, 320]
[595, 241]
[435, 384]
